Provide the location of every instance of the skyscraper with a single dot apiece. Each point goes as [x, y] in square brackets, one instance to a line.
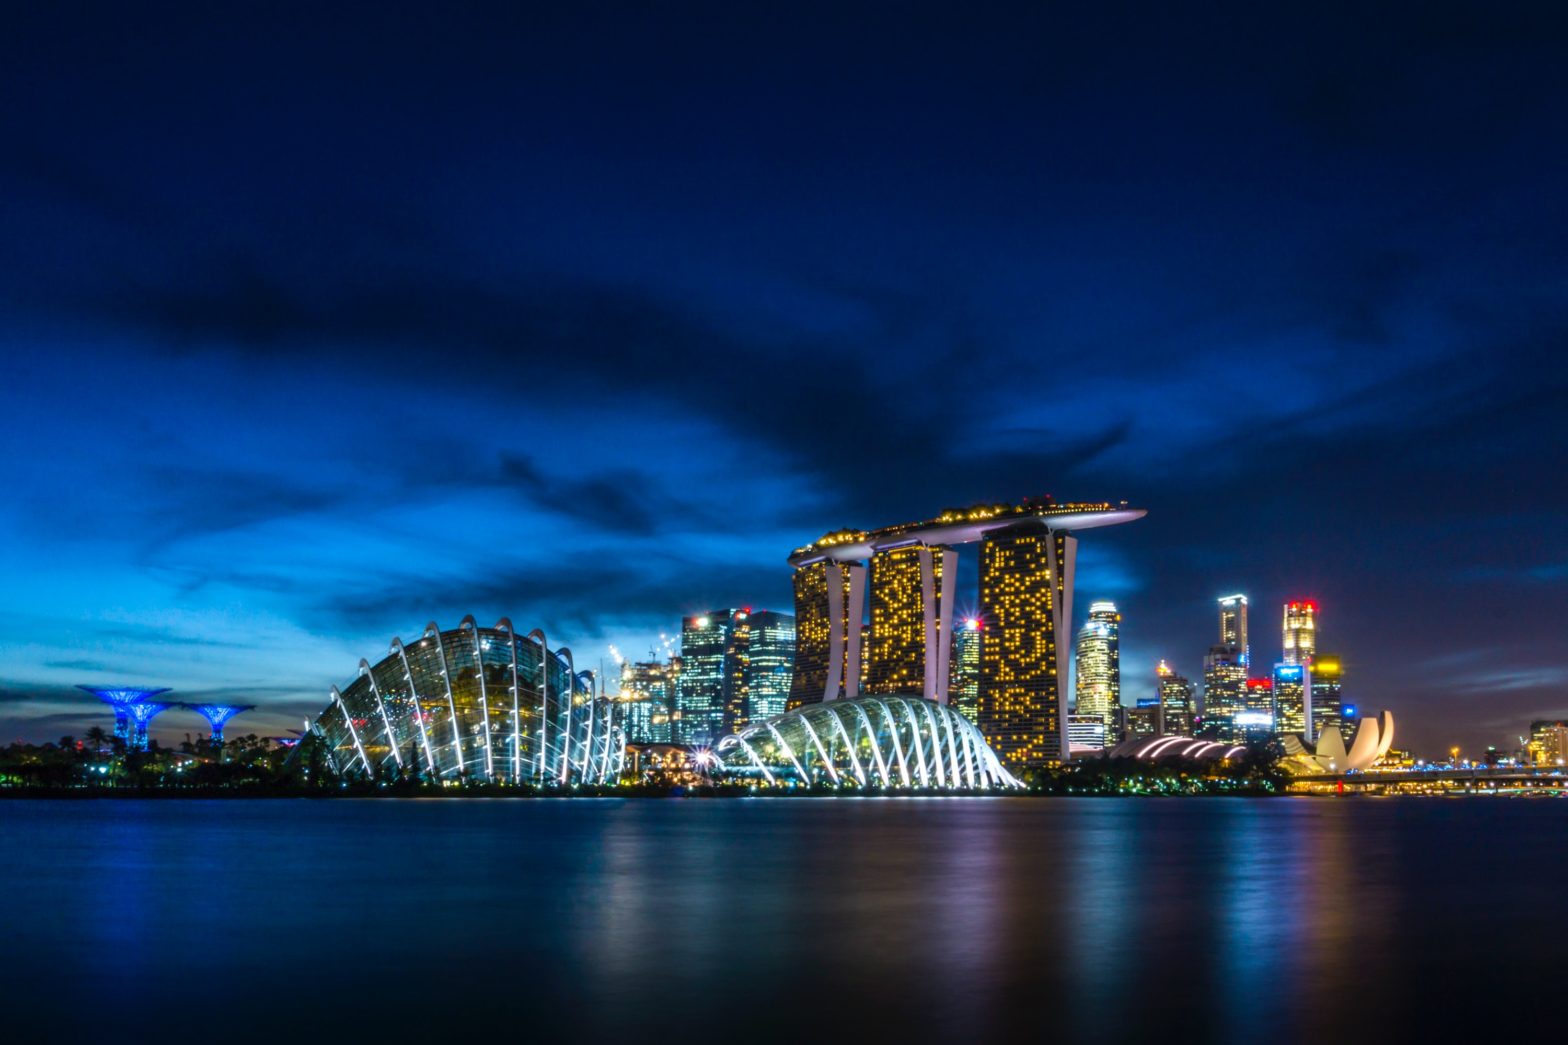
[1300, 631]
[1326, 684]
[1176, 700]
[770, 658]
[1292, 700]
[829, 604]
[1025, 601]
[1097, 676]
[911, 601]
[1224, 691]
[648, 698]
[963, 692]
[1233, 625]
[713, 674]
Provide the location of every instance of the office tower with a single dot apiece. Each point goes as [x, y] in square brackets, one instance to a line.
[1145, 720]
[647, 700]
[1292, 700]
[829, 607]
[1326, 678]
[963, 692]
[1233, 625]
[1086, 733]
[770, 659]
[1548, 743]
[911, 620]
[1026, 583]
[1300, 632]
[1097, 676]
[713, 675]
[1176, 700]
[1224, 691]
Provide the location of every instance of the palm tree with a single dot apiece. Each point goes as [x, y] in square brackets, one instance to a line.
[98, 738]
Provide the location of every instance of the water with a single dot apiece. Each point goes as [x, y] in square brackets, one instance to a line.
[1228, 920]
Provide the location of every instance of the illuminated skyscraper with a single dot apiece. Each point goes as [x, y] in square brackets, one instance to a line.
[1025, 601]
[1097, 676]
[1147, 719]
[829, 607]
[770, 659]
[1224, 691]
[1548, 744]
[1292, 699]
[647, 700]
[1233, 626]
[1301, 639]
[1326, 682]
[963, 692]
[911, 618]
[713, 675]
[1176, 700]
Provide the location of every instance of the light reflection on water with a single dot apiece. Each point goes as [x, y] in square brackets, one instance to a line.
[942, 919]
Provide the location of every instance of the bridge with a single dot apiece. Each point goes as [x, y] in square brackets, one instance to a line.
[1440, 778]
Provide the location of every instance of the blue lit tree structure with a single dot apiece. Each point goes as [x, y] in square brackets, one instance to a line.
[218, 714]
[121, 698]
[143, 712]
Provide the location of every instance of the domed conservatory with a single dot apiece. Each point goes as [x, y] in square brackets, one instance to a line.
[473, 704]
[886, 742]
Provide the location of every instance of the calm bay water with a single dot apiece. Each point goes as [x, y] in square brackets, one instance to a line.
[942, 919]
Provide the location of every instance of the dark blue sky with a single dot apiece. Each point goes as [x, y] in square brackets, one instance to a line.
[319, 326]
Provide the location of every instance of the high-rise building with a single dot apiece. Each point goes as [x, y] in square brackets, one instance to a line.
[1300, 632]
[1097, 675]
[1257, 722]
[963, 691]
[1025, 600]
[770, 659]
[829, 604]
[911, 615]
[1233, 625]
[1292, 700]
[1086, 732]
[1327, 678]
[713, 674]
[1176, 699]
[1548, 743]
[647, 699]
[1147, 719]
[1224, 691]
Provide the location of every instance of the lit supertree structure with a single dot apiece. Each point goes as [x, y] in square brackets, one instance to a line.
[143, 712]
[217, 714]
[122, 699]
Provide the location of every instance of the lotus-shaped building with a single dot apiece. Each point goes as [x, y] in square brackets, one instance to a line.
[481, 704]
[1373, 738]
[882, 742]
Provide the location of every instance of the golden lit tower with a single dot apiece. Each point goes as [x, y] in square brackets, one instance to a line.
[829, 603]
[911, 616]
[1026, 583]
[1301, 636]
[1176, 699]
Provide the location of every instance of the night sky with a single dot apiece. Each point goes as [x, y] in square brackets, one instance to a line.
[316, 327]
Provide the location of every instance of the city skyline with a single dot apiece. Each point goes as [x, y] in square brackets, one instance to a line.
[532, 318]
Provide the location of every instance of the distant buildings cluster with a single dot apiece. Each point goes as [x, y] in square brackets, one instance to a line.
[1302, 695]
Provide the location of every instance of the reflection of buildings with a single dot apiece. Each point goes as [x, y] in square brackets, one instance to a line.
[1027, 558]
[1176, 698]
[1097, 672]
[1300, 631]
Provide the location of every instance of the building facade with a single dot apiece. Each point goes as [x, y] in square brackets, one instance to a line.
[1224, 691]
[1025, 588]
[963, 688]
[1097, 673]
[770, 665]
[911, 620]
[647, 700]
[712, 682]
[1176, 700]
[1326, 684]
[1292, 700]
[1233, 625]
[1300, 637]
